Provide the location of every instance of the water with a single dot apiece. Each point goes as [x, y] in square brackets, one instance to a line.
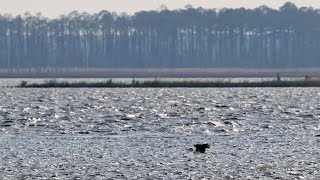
[254, 133]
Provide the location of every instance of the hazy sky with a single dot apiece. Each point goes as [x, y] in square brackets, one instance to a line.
[54, 8]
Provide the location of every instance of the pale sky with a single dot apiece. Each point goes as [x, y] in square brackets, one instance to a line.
[54, 8]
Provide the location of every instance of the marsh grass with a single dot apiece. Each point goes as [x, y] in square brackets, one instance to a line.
[156, 83]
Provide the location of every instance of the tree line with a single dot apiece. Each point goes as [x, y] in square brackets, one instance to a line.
[189, 37]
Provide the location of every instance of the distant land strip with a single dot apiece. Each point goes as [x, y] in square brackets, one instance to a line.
[157, 72]
[307, 82]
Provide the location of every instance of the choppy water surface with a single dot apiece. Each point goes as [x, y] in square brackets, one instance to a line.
[254, 133]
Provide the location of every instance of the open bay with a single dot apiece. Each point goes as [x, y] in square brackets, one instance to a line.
[86, 133]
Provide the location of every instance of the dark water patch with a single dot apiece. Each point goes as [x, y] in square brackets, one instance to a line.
[7, 123]
[221, 106]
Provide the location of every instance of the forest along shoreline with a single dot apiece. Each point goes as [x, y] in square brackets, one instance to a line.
[189, 37]
[156, 83]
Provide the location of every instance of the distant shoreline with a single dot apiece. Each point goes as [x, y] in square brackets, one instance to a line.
[172, 84]
[158, 72]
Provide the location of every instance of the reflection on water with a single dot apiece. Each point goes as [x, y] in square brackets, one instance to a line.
[254, 133]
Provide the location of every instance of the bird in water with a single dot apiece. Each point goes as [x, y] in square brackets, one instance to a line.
[201, 148]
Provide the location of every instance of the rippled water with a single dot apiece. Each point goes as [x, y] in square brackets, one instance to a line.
[254, 133]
